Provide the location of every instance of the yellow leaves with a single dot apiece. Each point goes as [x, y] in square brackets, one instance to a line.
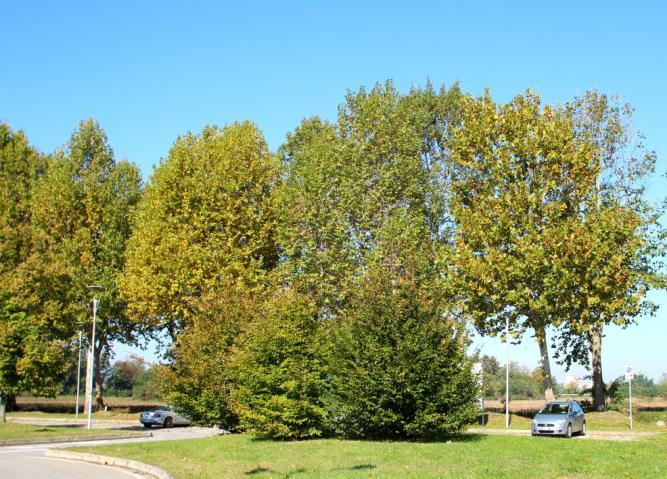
[208, 213]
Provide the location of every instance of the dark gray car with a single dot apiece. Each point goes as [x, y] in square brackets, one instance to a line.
[559, 418]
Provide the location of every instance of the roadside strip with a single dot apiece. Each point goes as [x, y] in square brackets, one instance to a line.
[134, 466]
[91, 437]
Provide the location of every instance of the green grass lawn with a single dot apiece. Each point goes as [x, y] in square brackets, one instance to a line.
[471, 456]
[595, 421]
[101, 415]
[24, 431]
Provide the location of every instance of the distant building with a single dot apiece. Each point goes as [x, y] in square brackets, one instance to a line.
[574, 381]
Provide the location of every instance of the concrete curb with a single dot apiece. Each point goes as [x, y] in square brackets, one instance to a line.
[135, 466]
[52, 440]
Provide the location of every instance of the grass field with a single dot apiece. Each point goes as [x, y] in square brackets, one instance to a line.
[97, 415]
[470, 456]
[24, 431]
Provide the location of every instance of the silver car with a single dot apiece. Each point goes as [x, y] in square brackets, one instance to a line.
[163, 416]
[559, 418]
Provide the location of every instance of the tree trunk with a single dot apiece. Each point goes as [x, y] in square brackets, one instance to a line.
[86, 401]
[99, 382]
[97, 373]
[541, 335]
[596, 365]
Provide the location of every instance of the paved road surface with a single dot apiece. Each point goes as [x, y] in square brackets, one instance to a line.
[29, 462]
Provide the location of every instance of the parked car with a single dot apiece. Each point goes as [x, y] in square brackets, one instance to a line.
[163, 416]
[559, 418]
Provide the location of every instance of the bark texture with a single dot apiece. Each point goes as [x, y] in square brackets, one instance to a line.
[547, 379]
[596, 366]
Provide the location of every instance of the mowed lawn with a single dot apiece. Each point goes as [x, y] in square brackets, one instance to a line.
[24, 431]
[97, 415]
[470, 456]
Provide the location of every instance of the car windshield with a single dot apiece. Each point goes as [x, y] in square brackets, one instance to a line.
[554, 408]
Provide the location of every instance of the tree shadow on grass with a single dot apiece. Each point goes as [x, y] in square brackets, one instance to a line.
[301, 470]
[257, 470]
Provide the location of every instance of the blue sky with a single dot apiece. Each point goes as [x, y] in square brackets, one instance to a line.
[149, 71]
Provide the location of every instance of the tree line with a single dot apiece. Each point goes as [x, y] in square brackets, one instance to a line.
[328, 287]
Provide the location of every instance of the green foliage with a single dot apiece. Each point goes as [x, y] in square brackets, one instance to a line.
[146, 385]
[642, 387]
[524, 384]
[662, 385]
[516, 168]
[206, 221]
[279, 372]
[614, 248]
[132, 377]
[33, 342]
[82, 215]
[398, 362]
[199, 380]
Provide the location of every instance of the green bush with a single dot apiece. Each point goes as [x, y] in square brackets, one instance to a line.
[278, 372]
[642, 386]
[399, 368]
[198, 382]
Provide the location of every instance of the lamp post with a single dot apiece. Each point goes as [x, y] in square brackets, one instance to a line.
[507, 372]
[92, 357]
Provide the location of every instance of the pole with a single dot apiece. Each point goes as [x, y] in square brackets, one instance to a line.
[3, 417]
[507, 373]
[78, 378]
[630, 388]
[92, 368]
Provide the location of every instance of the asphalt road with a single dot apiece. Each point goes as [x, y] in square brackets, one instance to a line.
[29, 462]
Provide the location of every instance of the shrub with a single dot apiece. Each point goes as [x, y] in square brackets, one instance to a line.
[279, 374]
[398, 365]
[198, 382]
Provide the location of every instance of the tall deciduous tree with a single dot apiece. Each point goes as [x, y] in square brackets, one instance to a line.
[386, 151]
[82, 213]
[28, 360]
[206, 222]
[518, 170]
[615, 244]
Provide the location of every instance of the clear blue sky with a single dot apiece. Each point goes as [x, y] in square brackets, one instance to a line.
[149, 71]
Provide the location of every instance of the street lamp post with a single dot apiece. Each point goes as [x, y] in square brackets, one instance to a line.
[507, 373]
[92, 358]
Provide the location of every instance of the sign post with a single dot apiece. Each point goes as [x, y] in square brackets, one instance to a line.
[477, 371]
[629, 376]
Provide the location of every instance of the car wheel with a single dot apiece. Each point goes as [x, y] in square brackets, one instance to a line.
[568, 433]
[583, 429]
[147, 426]
[168, 422]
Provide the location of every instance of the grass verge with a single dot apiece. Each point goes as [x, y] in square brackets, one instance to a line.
[469, 456]
[101, 415]
[25, 431]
